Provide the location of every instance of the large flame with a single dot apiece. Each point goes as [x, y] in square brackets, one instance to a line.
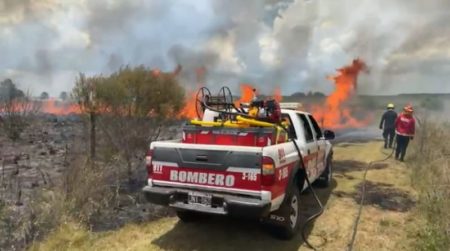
[247, 94]
[189, 109]
[335, 113]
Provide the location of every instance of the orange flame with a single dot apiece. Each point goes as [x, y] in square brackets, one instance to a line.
[189, 109]
[52, 106]
[156, 72]
[246, 94]
[277, 94]
[335, 114]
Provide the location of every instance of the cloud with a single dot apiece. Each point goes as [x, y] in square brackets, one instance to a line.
[294, 44]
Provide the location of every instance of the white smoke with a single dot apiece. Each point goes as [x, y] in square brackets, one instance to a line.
[286, 43]
[404, 42]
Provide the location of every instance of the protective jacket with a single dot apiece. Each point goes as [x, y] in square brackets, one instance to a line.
[405, 125]
[388, 120]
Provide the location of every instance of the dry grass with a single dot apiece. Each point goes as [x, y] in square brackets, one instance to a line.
[431, 176]
[380, 229]
[85, 194]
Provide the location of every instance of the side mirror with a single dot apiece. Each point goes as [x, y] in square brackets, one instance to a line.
[329, 135]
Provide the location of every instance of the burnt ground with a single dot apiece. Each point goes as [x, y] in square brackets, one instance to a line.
[384, 196]
[38, 159]
[343, 166]
[39, 162]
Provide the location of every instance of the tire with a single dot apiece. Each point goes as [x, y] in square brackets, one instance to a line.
[188, 216]
[325, 178]
[290, 210]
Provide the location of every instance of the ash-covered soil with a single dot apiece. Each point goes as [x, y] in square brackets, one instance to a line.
[40, 160]
[37, 159]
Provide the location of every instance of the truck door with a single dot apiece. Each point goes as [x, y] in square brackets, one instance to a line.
[321, 144]
[311, 149]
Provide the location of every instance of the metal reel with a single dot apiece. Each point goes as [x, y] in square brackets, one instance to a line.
[227, 98]
[202, 98]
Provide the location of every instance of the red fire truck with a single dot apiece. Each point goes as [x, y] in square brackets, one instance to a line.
[253, 171]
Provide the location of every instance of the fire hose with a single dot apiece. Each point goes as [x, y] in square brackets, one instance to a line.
[321, 210]
[363, 194]
[316, 197]
[358, 216]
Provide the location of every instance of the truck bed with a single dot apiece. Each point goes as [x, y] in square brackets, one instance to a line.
[250, 136]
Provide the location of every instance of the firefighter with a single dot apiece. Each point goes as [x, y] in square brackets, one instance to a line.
[405, 126]
[387, 124]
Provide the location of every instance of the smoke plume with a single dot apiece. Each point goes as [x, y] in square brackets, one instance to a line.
[291, 44]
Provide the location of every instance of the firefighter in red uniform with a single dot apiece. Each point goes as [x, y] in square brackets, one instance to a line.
[405, 129]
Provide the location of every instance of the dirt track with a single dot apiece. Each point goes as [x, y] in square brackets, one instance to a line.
[387, 222]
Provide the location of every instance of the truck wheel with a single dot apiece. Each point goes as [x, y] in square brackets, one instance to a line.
[188, 216]
[325, 178]
[290, 211]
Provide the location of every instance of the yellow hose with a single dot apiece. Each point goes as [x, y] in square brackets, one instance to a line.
[205, 123]
[227, 123]
[255, 122]
[242, 122]
[263, 124]
[238, 124]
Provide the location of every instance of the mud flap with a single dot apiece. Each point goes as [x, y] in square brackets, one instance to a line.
[278, 217]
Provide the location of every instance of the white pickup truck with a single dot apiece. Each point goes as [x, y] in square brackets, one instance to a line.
[206, 172]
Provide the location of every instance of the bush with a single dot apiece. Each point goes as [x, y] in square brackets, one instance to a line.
[130, 107]
[16, 110]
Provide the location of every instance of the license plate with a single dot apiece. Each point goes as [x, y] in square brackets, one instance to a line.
[199, 198]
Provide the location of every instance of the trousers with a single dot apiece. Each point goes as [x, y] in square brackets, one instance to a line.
[402, 144]
[388, 135]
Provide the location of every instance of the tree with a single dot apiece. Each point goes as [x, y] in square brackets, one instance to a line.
[44, 96]
[84, 93]
[318, 94]
[8, 90]
[131, 105]
[63, 96]
[298, 95]
[16, 109]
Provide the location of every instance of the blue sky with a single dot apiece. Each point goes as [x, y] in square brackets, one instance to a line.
[293, 44]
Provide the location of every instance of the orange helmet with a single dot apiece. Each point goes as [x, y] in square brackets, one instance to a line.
[408, 109]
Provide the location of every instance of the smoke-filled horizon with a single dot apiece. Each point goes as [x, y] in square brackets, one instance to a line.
[291, 44]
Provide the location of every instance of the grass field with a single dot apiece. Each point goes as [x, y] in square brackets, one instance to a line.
[388, 220]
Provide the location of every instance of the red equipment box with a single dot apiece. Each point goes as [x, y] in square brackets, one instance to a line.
[253, 136]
